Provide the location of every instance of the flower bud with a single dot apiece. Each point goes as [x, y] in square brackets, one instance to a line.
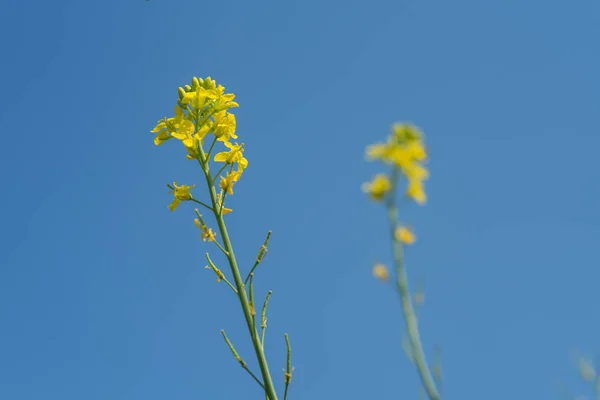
[187, 88]
[180, 92]
[209, 83]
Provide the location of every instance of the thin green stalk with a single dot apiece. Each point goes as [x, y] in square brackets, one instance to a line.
[288, 371]
[242, 295]
[221, 170]
[261, 255]
[201, 203]
[219, 273]
[252, 307]
[194, 200]
[240, 359]
[406, 300]
[215, 241]
[210, 149]
[263, 319]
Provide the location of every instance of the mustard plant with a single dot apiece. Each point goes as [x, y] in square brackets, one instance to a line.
[405, 154]
[203, 120]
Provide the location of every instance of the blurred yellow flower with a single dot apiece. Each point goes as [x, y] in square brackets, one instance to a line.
[380, 271]
[404, 149]
[378, 187]
[416, 192]
[404, 235]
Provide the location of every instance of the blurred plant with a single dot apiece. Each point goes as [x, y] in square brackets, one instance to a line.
[588, 372]
[405, 153]
[202, 120]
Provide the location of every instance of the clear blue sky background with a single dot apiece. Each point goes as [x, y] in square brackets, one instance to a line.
[103, 291]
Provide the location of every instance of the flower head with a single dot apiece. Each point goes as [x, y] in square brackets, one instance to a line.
[404, 150]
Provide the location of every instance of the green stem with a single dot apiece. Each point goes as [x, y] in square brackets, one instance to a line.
[261, 255]
[407, 306]
[239, 283]
[263, 319]
[240, 360]
[219, 173]
[288, 370]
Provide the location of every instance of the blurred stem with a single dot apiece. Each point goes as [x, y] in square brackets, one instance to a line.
[405, 297]
[239, 283]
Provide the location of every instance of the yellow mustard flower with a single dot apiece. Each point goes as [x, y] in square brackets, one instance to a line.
[197, 98]
[224, 126]
[378, 187]
[228, 181]
[380, 271]
[234, 155]
[404, 235]
[204, 129]
[223, 101]
[165, 127]
[180, 193]
[416, 192]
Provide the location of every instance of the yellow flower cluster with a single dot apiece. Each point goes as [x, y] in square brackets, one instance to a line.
[406, 152]
[203, 110]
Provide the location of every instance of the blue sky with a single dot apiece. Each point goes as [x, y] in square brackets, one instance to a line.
[103, 291]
